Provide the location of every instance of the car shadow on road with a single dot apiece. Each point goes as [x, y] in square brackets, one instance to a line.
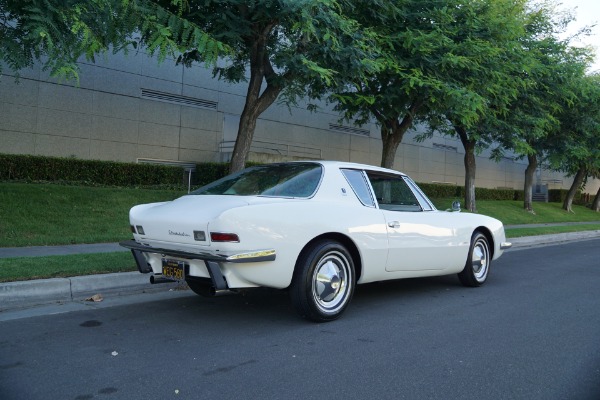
[271, 305]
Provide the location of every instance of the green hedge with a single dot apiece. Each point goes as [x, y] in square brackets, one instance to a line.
[559, 196]
[437, 190]
[27, 168]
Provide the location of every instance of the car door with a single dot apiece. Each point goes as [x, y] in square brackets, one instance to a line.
[419, 240]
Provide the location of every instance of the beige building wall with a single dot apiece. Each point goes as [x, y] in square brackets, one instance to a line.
[129, 108]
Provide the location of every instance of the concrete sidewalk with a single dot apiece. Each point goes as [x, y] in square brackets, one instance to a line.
[16, 295]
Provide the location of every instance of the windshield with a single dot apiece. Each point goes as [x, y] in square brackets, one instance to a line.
[278, 180]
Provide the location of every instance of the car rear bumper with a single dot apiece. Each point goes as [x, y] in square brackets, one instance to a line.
[242, 257]
[211, 261]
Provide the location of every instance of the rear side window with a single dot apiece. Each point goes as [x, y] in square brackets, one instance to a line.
[359, 185]
[393, 193]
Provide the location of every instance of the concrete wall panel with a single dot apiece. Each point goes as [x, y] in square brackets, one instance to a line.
[158, 135]
[17, 142]
[198, 118]
[16, 117]
[198, 139]
[113, 151]
[114, 129]
[166, 70]
[200, 77]
[25, 92]
[117, 106]
[65, 98]
[62, 146]
[158, 152]
[159, 112]
[118, 82]
[197, 155]
[64, 123]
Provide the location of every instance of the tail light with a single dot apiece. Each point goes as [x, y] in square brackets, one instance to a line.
[224, 237]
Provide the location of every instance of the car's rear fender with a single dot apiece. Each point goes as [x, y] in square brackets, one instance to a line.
[344, 240]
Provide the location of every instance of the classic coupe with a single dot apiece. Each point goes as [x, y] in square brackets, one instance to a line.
[315, 228]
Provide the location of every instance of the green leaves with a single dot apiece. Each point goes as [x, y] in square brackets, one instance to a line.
[58, 32]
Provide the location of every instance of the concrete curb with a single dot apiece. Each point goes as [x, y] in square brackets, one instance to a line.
[43, 291]
[557, 238]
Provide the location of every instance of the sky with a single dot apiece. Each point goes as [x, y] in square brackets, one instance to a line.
[587, 12]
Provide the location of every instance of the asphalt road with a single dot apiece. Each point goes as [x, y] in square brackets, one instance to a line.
[532, 332]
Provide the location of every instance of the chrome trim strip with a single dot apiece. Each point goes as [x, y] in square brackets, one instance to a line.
[505, 245]
[253, 256]
[245, 257]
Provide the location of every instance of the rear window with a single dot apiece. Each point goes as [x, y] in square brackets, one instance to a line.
[277, 180]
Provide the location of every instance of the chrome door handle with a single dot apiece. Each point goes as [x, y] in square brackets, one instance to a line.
[394, 224]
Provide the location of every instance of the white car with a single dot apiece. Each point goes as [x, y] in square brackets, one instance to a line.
[316, 228]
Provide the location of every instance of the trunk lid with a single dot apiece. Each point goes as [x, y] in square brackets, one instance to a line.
[178, 220]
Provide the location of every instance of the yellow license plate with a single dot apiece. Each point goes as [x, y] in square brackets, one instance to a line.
[173, 269]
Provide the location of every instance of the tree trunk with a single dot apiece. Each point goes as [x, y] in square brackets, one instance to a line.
[528, 187]
[392, 132]
[470, 168]
[577, 181]
[596, 203]
[256, 103]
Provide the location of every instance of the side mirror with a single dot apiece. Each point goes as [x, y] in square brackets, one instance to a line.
[456, 206]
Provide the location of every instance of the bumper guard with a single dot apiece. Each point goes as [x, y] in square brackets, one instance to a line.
[211, 260]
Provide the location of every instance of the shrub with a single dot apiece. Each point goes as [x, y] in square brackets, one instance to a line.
[93, 172]
[439, 190]
[559, 196]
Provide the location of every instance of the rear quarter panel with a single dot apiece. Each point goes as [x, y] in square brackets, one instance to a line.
[289, 225]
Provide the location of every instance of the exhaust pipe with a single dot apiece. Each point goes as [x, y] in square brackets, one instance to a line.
[214, 292]
[154, 279]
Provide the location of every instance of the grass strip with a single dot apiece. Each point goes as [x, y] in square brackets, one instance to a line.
[548, 230]
[47, 214]
[34, 214]
[27, 268]
[511, 212]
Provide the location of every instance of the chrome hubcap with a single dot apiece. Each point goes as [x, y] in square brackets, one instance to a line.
[330, 281]
[480, 260]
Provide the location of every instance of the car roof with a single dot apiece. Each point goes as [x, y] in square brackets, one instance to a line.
[351, 165]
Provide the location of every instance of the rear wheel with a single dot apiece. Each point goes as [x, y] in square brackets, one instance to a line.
[478, 262]
[323, 282]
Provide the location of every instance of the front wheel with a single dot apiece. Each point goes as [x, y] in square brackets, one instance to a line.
[478, 262]
[323, 282]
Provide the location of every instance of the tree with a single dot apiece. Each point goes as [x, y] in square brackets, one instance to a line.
[417, 45]
[397, 94]
[577, 154]
[279, 43]
[487, 71]
[596, 202]
[449, 64]
[552, 65]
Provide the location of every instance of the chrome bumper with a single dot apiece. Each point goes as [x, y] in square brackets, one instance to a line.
[505, 245]
[210, 260]
[244, 257]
